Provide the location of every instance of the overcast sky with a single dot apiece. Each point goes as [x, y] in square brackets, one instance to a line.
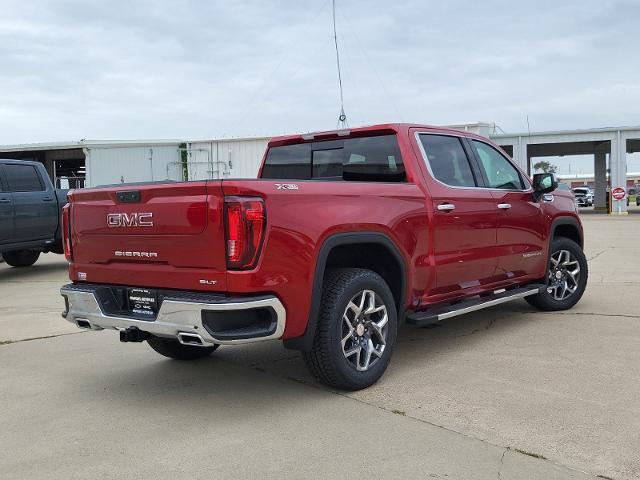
[204, 69]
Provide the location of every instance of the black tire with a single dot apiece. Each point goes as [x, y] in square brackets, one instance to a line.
[545, 300]
[326, 361]
[21, 258]
[57, 248]
[176, 350]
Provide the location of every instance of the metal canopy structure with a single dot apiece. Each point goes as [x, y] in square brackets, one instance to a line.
[613, 142]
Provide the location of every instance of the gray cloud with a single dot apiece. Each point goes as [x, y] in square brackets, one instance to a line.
[194, 69]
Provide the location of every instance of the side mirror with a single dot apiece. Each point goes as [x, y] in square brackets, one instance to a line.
[544, 183]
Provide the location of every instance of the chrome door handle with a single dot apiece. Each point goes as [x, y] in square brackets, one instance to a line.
[446, 207]
[504, 206]
[5, 200]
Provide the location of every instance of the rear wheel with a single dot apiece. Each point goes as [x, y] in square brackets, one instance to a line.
[356, 330]
[174, 349]
[21, 258]
[57, 248]
[566, 277]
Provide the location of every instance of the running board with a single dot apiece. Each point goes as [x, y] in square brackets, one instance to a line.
[437, 314]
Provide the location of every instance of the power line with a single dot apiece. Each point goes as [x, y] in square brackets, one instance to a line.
[263, 88]
[392, 98]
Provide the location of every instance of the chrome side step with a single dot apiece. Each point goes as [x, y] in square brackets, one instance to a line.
[443, 312]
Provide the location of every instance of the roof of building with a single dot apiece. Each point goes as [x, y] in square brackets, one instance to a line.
[85, 144]
[567, 132]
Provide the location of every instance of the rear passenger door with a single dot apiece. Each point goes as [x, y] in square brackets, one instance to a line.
[464, 220]
[35, 207]
[521, 244]
[6, 211]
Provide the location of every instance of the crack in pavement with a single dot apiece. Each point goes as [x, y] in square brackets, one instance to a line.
[259, 368]
[322, 388]
[10, 342]
[318, 387]
[598, 254]
[451, 430]
[589, 314]
[262, 364]
[502, 463]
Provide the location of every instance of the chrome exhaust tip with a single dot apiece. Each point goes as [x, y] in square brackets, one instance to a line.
[192, 339]
[83, 323]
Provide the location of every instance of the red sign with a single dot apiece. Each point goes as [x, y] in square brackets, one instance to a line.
[618, 193]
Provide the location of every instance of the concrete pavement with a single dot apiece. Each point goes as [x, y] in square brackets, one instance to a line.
[458, 401]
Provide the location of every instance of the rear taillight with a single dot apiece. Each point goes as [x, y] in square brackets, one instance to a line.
[66, 231]
[245, 222]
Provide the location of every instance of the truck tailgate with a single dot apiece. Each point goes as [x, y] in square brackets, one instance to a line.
[163, 235]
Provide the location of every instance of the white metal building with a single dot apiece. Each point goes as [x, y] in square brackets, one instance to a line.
[89, 163]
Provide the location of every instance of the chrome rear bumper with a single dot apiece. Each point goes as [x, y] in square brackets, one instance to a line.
[178, 318]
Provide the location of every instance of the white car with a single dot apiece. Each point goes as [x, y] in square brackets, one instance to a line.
[584, 196]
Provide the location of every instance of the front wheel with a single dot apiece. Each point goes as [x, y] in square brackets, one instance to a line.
[356, 331]
[176, 350]
[566, 277]
[21, 258]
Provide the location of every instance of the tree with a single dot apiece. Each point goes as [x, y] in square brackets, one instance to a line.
[546, 167]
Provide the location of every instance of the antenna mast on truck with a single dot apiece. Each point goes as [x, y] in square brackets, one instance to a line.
[342, 118]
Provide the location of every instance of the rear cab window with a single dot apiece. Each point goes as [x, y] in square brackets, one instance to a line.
[372, 158]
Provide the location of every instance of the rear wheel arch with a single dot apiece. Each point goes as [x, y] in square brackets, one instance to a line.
[344, 250]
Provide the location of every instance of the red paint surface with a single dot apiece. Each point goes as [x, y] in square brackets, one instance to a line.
[449, 255]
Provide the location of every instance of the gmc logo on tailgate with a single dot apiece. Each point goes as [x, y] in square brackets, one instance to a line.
[115, 220]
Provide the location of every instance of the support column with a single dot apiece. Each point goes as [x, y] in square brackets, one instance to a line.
[519, 154]
[600, 174]
[618, 165]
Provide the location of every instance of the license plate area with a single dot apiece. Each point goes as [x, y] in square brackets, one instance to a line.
[142, 302]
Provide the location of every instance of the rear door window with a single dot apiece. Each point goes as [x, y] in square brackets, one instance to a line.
[375, 159]
[22, 178]
[447, 160]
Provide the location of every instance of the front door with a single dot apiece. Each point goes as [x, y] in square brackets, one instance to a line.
[521, 245]
[464, 218]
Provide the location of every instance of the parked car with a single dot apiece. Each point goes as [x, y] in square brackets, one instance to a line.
[584, 196]
[30, 210]
[344, 235]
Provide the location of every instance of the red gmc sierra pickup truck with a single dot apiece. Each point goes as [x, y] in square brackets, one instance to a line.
[344, 235]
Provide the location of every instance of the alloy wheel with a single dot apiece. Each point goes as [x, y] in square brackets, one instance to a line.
[364, 330]
[564, 275]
